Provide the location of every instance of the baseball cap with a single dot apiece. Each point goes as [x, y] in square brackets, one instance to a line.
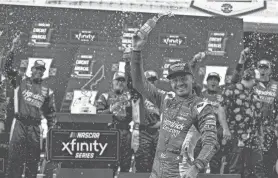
[264, 63]
[39, 64]
[151, 74]
[249, 74]
[119, 75]
[179, 69]
[213, 74]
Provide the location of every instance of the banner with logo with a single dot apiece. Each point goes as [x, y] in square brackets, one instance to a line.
[86, 46]
[77, 145]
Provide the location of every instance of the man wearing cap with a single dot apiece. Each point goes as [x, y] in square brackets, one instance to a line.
[243, 112]
[148, 136]
[118, 103]
[178, 114]
[267, 89]
[33, 100]
[213, 96]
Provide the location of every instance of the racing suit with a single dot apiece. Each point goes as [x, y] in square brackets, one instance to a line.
[148, 138]
[178, 115]
[214, 100]
[268, 94]
[32, 102]
[121, 119]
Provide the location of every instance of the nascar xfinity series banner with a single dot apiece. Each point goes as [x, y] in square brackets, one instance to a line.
[85, 46]
[68, 145]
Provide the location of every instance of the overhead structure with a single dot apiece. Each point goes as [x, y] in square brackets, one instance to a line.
[258, 15]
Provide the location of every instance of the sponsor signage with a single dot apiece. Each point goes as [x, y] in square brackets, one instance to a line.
[41, 34]
[172, 40]
[83, 145]
[229, 7]
[216, 43]
[85, 36]
[3, 32]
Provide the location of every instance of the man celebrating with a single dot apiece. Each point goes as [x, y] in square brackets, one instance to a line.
[148, 136]
[118, 103]
[243, 110]
[213, 95]
[267, 90]
[33, 100]
[179, 113]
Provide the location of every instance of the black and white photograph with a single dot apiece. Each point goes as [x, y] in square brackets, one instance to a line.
[138, 88]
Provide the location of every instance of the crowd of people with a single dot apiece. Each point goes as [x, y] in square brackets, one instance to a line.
[181, 133]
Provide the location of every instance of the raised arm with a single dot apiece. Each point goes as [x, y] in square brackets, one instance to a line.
[207, 127]
[240, 66]
[9, 71]
[139, 81]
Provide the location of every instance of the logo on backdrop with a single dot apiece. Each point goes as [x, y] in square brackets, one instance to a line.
[171, 40]
[41, 34]
[87, 36]
[90, 145]
[229, 7]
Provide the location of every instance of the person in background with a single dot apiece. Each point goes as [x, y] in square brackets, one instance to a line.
[179, 113]
[213, 95]
[148, 136]
[267, 90]
[243, 111]
[33, 99]
[118, 103]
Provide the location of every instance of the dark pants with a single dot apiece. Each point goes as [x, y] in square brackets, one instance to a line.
[24, 147]
[146, 152]
[245, 161]
[270, 157]
[125, 151]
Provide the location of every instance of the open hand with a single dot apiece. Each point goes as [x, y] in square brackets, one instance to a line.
[227, 134]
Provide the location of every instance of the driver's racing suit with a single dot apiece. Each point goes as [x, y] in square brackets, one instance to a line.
[33, 102]
[178, 115]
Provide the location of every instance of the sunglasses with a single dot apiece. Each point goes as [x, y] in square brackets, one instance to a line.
[152, 79]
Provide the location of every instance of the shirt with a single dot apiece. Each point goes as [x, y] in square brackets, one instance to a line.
[242, 112]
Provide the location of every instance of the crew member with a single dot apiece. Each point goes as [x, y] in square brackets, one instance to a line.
[33, 99]
[179, 113]
[148, 136]
[267, 90]
[118, 102]
[243, 111]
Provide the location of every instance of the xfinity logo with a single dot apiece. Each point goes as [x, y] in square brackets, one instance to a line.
[85, 37]
[174, 41]
[75, 146]
[170, 41]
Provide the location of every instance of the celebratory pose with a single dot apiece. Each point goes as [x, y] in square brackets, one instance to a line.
[267, 90]
[179, 113]
[213, 95]
[118, 102]
[243, 111]
[148, 136]
[33, 100]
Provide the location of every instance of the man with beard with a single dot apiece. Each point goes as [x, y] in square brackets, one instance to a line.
[33, 100]
[118, 103]
[243, 111]
[179, 113]
[267, 90]
[148, 136]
